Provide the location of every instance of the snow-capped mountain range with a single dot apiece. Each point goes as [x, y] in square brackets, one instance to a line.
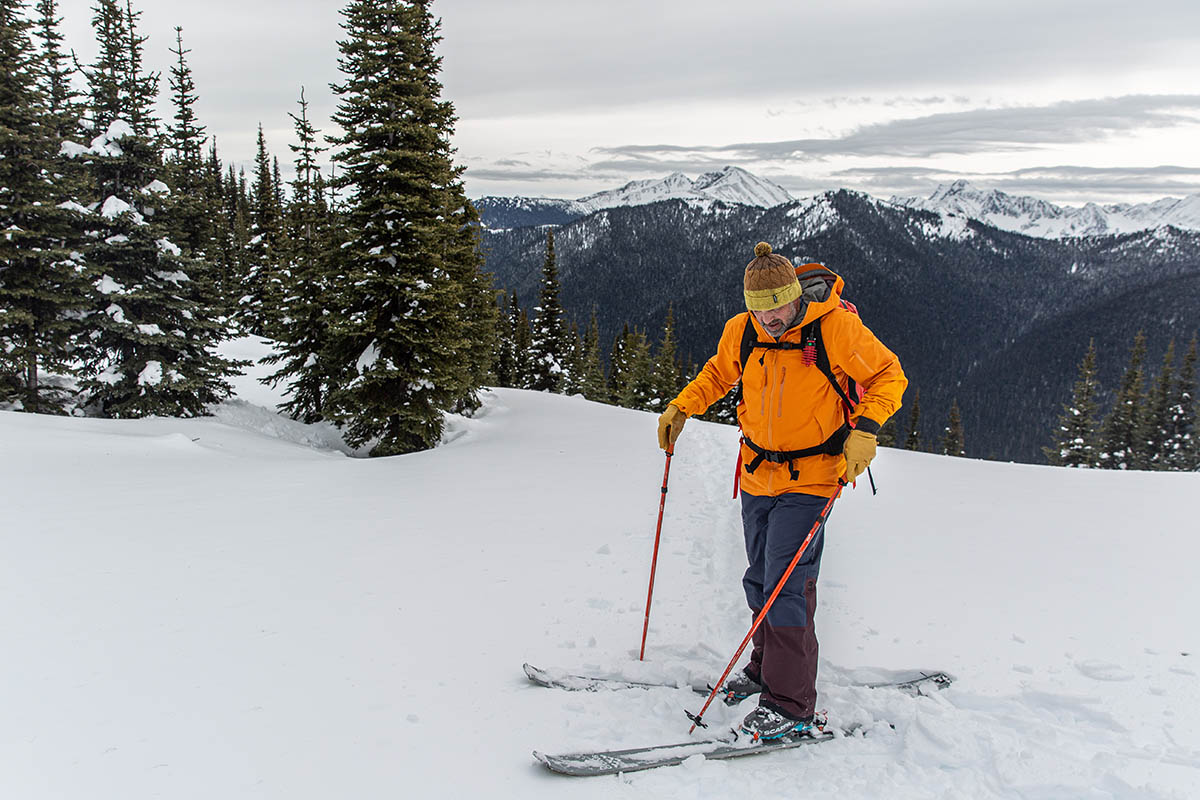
[729, 184]
[955, 202]
[1033, 217]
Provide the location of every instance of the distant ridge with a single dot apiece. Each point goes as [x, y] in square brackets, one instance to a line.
[730, 185]
[1033, 217]
[954, 202]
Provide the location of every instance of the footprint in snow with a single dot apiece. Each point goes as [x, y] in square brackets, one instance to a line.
[1103, 671]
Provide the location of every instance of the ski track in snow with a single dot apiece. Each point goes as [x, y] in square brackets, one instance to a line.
[229, 607]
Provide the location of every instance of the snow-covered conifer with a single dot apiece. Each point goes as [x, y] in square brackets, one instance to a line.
[592, 381]
[190, 209]
[42, 290]
[413, 316]
[1154, 427]
[301, 330]
[636, 384]
[263, 288]
[522, 344]
[1181, 448]
[154, 320]
[668, 376]
[1120, 431]
[913, 440]
[1075, 442]
[952, 435]
[548, 355]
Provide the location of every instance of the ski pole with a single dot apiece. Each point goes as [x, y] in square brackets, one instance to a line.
[698, 719]
[662, 504]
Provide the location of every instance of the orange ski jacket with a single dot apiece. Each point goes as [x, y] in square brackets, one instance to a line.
[788, 404]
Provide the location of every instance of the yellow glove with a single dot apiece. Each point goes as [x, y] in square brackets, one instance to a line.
[669, 426]
[859, 451]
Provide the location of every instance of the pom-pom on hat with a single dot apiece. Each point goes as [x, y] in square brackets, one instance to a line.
[770, 280]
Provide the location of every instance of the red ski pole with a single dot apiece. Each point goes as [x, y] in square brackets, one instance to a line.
[662, 504]
[697, 719]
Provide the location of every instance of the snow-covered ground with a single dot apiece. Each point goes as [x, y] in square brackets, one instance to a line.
[232, 608]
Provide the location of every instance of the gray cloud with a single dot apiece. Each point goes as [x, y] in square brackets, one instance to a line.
[541, 56]
[961, 132]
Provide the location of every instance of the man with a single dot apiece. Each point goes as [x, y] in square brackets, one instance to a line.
[800, 440]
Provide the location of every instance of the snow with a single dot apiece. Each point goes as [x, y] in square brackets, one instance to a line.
[106, 285]
[165, 245]
[152, 374]
[118, 129]
[114, 207]
[368, 357]
[1033, 217]
[71, 205]
[276, 620]
[73, 149]
[729, 184]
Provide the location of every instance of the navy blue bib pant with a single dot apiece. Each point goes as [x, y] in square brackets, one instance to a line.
[784, 659]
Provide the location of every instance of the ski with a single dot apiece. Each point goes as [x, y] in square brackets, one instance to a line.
[612, 762]
[916, 683]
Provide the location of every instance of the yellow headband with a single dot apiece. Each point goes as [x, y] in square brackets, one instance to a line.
[767, 299]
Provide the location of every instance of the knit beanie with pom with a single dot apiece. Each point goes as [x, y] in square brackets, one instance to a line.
[770, 280]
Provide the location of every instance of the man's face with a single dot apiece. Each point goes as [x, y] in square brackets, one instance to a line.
[778, 320]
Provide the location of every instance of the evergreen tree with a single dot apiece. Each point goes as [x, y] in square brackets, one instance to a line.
[1154, 427]
[106, 76]
[1120, 432]
[952, 438]
[636, 380]
[668, 375]
[1180, 446]
[548, 357]
[888, 433]
[573, 374]
[62, 111]
[155, 325]
[263, 283]
[913, 440]
[42, 290]
[225, 251]
[189, 203]
[301, 333]
[1076, 443]
[413, 316]
[139, 88]
[593, 383]
[522, 345]
[617, 365]
[504, 362]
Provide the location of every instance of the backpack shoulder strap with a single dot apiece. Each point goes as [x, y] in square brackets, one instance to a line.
[812, 332]
[749, 340]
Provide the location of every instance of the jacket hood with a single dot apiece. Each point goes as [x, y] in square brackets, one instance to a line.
[821, 292]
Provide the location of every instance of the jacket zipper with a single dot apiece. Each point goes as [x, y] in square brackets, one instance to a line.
[782, 379]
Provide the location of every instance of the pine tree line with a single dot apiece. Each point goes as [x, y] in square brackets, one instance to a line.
[1151, 424]
[546, 353]
[129, 251]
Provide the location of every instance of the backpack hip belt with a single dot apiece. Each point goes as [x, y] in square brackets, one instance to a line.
[830, 447]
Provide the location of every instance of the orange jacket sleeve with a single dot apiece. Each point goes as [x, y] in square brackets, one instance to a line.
[720, 373]
[854, 349]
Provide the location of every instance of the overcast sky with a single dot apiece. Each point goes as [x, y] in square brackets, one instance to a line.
[1069, 101]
